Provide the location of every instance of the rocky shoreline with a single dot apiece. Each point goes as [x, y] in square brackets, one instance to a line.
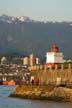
[38, 92]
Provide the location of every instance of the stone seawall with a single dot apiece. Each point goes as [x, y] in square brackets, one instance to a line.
[49, 92]
[52, 76]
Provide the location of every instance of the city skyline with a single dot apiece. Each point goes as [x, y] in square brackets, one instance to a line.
[50, 10]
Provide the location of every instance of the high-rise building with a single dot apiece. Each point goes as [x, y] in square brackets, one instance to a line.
[37, 61]
[25, 61]
[32, 59]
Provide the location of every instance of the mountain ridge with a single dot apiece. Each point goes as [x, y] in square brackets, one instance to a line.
[34, 36]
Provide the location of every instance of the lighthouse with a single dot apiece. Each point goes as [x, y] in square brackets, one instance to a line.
[54, 56]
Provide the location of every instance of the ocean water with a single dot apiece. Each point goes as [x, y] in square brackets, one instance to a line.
[7, 102]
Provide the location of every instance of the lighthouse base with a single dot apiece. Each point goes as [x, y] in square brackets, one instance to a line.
[51, 64]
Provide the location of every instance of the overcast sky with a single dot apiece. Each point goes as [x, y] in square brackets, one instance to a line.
[52, 10]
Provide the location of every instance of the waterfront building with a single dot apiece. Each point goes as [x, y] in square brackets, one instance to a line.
[54, 56]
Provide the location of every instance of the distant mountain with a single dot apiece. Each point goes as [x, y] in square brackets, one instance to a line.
[10, 19]
[21, 34]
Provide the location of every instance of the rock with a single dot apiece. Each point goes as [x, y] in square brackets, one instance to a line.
[42, 93]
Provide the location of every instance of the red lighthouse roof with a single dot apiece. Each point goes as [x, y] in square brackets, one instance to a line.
[54, 48]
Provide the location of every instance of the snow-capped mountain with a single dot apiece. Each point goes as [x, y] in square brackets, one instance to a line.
[24, 19]
[10, 19]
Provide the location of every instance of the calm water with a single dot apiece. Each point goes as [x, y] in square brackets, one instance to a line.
[7, 102]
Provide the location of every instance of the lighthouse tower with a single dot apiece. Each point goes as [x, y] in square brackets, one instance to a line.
[54, 56]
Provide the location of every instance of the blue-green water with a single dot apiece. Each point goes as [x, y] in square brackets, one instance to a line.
[7, 102]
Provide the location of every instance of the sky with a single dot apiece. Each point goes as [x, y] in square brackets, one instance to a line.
[49, 10]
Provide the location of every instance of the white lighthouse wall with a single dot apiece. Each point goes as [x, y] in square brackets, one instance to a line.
[52, 57]
[58, 59]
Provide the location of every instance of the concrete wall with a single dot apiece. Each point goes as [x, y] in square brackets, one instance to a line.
[57, 75]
